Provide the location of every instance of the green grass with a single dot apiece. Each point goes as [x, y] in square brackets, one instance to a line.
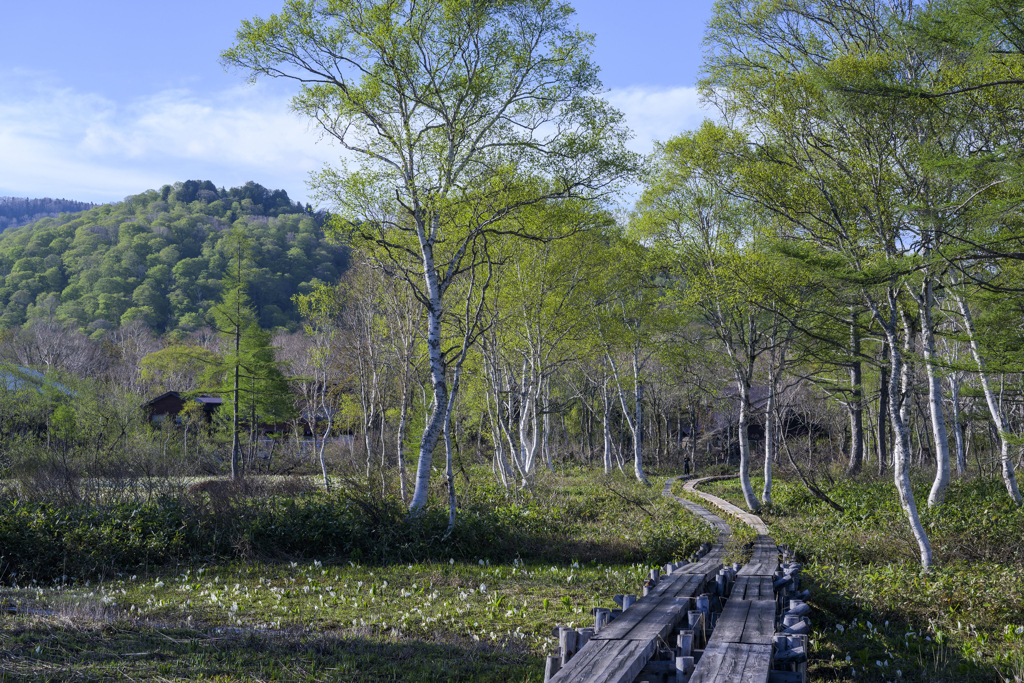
[478, 613]
[875, 613]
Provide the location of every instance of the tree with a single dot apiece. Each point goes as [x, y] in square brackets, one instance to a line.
[707, 239]
[233, 316]
[459, 115]
[838, 172]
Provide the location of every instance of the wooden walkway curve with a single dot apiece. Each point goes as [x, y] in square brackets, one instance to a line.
[662, 637]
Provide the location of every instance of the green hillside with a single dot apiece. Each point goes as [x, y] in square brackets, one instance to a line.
[159, 257]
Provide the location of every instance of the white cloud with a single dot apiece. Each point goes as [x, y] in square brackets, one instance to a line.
[56, 141]
[658, 113]
[60, 142]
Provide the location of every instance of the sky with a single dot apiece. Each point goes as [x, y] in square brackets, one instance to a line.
[100, 100]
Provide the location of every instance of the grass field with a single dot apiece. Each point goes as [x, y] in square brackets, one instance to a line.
[876, 616]
[443, 618]
[485, 612]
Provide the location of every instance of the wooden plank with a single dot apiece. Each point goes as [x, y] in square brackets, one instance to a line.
[730, 622]
[764, 560]
[734, 663]
[625, 622]
[746, 588]
[613, 661]
[660, 603]
[760, 624]
[660, 622]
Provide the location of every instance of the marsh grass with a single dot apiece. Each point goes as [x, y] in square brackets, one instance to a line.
[877, 617]
[477, 609]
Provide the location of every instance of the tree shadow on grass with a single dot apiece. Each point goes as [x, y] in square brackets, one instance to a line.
[37, 651]
[882, 646]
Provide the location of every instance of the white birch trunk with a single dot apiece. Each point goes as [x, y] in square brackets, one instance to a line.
[403, 412]
[327, 430]
[435, 423]
[994, 407]
[901, 435]
[769, 438]
[938, 419]
[958, 432]
[633, 422]
[901, 451]
[744, 439]
[605, 422]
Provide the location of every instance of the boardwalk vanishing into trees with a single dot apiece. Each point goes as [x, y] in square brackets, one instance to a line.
[702, 621]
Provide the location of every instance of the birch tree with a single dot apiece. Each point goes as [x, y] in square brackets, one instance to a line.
[705, 237]
[455, 115]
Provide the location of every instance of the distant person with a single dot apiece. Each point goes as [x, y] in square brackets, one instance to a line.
[686, 465]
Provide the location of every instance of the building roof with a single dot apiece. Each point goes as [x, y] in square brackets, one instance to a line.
[204, 400]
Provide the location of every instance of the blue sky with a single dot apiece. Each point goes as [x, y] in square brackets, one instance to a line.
[99, 100]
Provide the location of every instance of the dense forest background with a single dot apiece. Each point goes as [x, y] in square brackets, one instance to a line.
[15, 211]
[158, 257]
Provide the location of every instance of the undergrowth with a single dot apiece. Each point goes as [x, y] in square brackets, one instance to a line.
[565, 516]
[315, 586]
[877, 616]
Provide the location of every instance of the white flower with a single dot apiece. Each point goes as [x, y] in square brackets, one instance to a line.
[481, 563]
[158, 584]
[483, 587]
[451, 561]
[1020, 630]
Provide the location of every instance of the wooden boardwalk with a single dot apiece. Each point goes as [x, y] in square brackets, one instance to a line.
[662, 636]
[740, 648]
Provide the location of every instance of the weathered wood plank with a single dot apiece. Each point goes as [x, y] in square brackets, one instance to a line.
[731, 622]
[747, 518]
[733, 663]
[760, 623]
[612, 661]
[753, 588]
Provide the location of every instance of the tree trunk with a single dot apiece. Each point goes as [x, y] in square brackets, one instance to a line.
[994, 407]
[432, 430]
[403, 412]
[769, 438]
[748, 489]
[855, 405]
[958, 432]
[935, 408]
[606, 417]
[901, 474]
[236, 447]
[883, 411]
[638, 430]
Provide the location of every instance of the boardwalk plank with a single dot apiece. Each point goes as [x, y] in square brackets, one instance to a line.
[760, 623]
[612, 661]
[734, 663]
[731, 622]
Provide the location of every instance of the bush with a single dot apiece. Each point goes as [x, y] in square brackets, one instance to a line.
[288, 519]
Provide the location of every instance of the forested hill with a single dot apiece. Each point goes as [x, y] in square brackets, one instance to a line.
[159, 257]
[15, 211]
